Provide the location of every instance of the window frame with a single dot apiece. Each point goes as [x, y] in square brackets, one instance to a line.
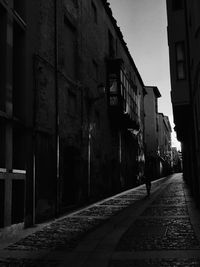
[180, 61]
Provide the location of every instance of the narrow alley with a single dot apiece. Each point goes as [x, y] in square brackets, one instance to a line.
[99, 102]
[127, 230]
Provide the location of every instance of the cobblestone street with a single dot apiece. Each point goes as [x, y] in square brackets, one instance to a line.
[126, 230]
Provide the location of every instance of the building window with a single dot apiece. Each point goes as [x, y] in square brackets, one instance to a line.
[111, 44]
[94, 12]
[113, 89]
[18, 71]
[180, 61]
[70, 49]
[128, 95]
[177, 4]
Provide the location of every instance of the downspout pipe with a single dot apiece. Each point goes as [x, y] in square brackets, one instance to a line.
[56, 108]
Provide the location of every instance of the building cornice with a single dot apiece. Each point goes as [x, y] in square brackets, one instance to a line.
[108, 10]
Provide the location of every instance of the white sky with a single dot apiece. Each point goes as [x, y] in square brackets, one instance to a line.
[144, 26]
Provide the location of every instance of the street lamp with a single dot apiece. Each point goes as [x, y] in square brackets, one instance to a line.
[134, 132]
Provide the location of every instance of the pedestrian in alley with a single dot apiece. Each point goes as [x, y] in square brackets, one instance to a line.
[147, 180]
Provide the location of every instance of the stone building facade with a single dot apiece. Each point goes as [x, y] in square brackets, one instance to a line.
[177, 165]
[71, 108]
[184, 38]
[164, 144]
[151, 131]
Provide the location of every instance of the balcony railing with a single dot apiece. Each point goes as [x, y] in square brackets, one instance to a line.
[122, 94]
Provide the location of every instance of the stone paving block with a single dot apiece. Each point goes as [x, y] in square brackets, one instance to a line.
[66, 233]
[74, 223]
[169, 201]
[119, 202]
[100, 211]
[166, 211]
[133, 196]
[173, 194]
[156, 263]
[140, 190]
[156, 232]
[159, 234]
[173, 186]
[13, 262]
[173, 190]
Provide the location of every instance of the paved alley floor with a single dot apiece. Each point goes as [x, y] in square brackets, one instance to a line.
[125, 230]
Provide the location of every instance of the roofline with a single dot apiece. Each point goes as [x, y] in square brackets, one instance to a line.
[168, 122]
[156, 91]
[106, 5]
[144, 91]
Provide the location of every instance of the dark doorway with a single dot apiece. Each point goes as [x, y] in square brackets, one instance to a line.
[45, 172]
[71, 176]
[18, 188]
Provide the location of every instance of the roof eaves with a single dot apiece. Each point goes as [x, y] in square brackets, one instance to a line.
[120, 35]
[155, 90]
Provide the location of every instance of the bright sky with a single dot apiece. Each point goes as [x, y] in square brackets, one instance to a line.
[144, 26]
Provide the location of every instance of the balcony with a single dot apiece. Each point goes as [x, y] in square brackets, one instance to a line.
[122, 95]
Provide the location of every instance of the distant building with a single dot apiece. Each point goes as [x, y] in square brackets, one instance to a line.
[184, 38]
[151, 131]
[176, 160]
[164, 144]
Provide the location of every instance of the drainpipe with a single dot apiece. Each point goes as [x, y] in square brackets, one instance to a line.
[34, 185]
[89, 129]
[89, 160]
[30, 194]
[56, 108]
[120, 158]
